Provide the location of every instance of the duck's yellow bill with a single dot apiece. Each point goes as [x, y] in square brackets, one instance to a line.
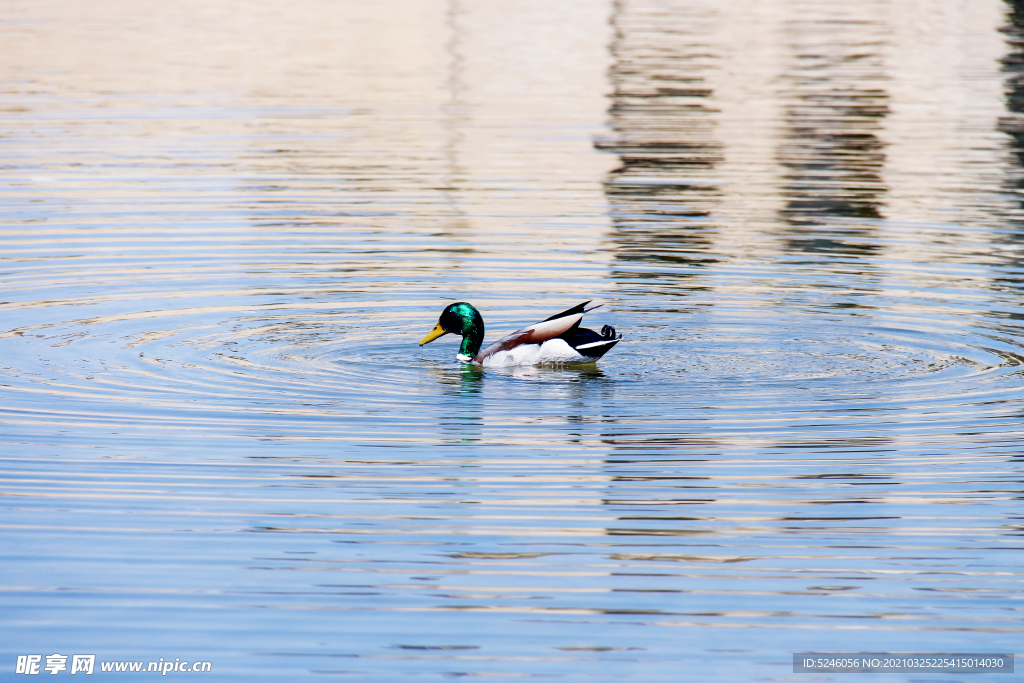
[433, 334]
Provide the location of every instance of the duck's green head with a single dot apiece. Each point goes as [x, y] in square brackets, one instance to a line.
[462, 319]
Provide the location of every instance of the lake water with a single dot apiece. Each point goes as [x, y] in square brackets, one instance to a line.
[226, 225]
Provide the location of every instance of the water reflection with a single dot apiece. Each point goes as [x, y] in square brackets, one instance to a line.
[462, 378]
[832, 153]
[662, 121]
[1013, 123]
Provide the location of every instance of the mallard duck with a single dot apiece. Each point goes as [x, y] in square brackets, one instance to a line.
[558, 339]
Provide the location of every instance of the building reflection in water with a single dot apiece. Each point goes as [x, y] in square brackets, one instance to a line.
[661, 123]
[1013, 123]
[834, 106]
[727, 119]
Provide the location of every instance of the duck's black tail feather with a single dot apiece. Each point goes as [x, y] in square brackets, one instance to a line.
[590, 343]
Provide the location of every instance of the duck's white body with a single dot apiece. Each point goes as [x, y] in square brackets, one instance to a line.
[552, 351]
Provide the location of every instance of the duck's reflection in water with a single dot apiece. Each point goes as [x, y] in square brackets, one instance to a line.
[461, 416]
[588, 372]
[466, 378]
[475, 399]
[458, 379]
